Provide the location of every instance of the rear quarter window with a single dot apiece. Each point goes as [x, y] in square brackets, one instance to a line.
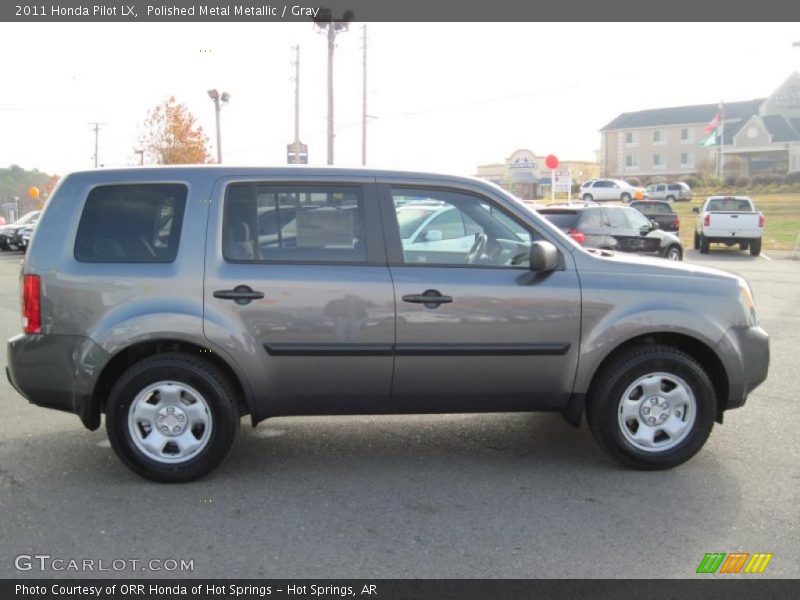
[138, 223]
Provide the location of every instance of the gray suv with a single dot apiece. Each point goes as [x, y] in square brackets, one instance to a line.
[177, 300]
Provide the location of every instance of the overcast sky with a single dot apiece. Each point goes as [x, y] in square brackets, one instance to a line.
[445, 97]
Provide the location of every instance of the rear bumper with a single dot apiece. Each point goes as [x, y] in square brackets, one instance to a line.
[57, 371]
[746, 354]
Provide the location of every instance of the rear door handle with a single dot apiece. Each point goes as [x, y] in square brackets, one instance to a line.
[241, 294]
[428, 298]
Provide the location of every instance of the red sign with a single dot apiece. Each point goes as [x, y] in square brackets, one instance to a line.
[551, 161]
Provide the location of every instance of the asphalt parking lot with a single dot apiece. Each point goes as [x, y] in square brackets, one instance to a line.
[508, 495]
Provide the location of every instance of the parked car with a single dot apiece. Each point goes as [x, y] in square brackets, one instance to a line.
[610, 227]
[728, 220]
[659, 211]
[8, 233]
[24, 234]
[152, 297]
[616, 190]
[671, 192]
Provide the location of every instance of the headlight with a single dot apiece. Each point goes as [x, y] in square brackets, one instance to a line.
[746, 294]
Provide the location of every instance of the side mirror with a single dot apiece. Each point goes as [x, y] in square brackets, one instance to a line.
[544, 257]
[654, 225]
[433, 235]
[696, 210]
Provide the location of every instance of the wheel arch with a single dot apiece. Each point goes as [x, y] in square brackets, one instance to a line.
[129, 355]
[694, 347]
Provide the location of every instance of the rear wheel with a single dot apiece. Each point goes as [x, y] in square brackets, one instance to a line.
[626, 197]
[674, 253]
[670, 198]
[755, 247]
[696, 241]
[652, 407]
[587, 198]
[703, 244]
[172, 417]
[744, 245]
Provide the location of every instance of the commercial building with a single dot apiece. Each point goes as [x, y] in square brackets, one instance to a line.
[758, 136]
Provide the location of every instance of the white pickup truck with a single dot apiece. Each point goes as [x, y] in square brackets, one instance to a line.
[728, 220]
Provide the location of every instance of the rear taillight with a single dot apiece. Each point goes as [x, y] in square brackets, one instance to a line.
[707, 219]
[677, 221]
[31, 304]
[577, 235]
[760, 220]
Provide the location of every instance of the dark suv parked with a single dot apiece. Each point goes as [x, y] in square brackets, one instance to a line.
[613, 228]
[175, 300]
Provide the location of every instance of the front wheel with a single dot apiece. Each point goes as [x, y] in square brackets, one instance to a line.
[696, 241]
[172, 417]
[755, 247]
[653, 407]
[626, 197]
[587, 198]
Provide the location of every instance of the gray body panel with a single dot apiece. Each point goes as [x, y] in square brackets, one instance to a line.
[337, 338]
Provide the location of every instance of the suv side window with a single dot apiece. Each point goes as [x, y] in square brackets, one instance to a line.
[442, 227]
[293, 223]
[131, 223]
[637, 219]
[616, 218]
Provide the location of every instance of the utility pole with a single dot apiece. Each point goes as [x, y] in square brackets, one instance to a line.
[296, 158]
[324, 20]
[96, 128]
[141, 156]
[364, 100]
[219, 101]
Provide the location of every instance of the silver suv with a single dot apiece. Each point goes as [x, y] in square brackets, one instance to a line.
[177, 300]
[671, 192]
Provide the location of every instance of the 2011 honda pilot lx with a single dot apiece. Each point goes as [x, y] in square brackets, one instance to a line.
[176, 300]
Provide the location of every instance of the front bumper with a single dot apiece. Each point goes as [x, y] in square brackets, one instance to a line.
[745, 351]
[57, 371]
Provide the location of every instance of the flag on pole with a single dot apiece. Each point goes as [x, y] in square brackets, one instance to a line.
[711, 140]
[713, 130]
[713, 125]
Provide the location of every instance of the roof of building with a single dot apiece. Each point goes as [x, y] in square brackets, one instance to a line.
[781, 129]
[678, 115]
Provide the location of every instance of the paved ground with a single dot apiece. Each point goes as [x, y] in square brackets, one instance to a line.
[442, 496]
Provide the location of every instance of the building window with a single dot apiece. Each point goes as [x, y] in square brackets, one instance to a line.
[687, 159]
[658, 161]
[659, 137]
[687, 136]
[630, 138]
[630, 161]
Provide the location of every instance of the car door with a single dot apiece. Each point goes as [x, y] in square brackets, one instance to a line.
[637, 237]
[298, 293]
[480, 332]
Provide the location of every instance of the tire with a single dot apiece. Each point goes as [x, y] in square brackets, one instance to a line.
[661, 384]
[696, 241]
[670, 198]
[11, 246]
[205, 398]
[703, 244]
[755, 247]
[587, 198]
[674, 252]
[3, 245]
[744, 245]
[626, 197]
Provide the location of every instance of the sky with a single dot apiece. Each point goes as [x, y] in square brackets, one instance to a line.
[442, 97]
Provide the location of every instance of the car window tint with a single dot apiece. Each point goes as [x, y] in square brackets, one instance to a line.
[592, 218]
[637, 220]
[293, 223]
[652, 208]
[563, 219]
[458, 229]
[616, 218]
[729, 205]
[131, 224]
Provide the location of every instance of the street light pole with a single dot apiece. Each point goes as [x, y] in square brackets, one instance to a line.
[324, 20]
[219, 101]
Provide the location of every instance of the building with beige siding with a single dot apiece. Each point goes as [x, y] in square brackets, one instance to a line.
[760, 136]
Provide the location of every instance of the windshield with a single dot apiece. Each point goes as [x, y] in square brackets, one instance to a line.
[652, 208]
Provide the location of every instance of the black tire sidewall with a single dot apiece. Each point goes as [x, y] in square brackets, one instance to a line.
[607, 425]
[217, 394]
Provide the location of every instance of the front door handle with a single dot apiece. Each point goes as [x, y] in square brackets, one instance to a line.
[241, 294]
[428, 298]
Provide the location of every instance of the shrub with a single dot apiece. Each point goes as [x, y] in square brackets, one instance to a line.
[730, 180]
[767, 179]
[692, 181]
[742, 182]
[635, 181]
[793, 177]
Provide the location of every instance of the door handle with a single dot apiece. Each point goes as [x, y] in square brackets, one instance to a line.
[428, 298]
[241, 294]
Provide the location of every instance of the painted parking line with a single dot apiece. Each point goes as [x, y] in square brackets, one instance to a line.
[765, 256]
